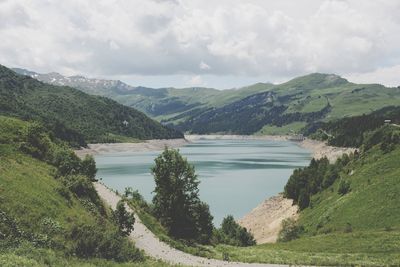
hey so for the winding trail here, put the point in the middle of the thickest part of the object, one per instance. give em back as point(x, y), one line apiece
point(144, 239)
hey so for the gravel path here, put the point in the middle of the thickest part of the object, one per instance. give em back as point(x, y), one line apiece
point(153, 247)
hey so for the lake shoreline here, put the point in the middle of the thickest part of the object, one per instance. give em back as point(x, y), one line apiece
point(317, 148)
point(265, 219)
point(146, 145)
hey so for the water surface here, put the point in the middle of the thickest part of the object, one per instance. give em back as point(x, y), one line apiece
point(235, 175)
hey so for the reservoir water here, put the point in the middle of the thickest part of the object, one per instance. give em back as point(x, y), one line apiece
point(235, 175)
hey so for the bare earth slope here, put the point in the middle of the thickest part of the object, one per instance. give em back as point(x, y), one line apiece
point(153, 247)
point(264, 221)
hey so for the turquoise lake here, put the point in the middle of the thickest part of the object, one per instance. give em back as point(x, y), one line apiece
point(235, 175)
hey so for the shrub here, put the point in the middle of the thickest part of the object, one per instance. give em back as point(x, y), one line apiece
point(344, 187)
point(99, 241)
point(37, 142)
point(83, 188)
point(348, 228)
point(290, 230)
point(66, 161)
point(231, 233)
point(65, 193)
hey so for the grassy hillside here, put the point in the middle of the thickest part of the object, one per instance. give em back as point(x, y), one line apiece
point(51, 215)
point(68, 110)
point(371, 205)
point(308, 99)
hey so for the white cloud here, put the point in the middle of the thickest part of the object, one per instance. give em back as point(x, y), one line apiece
point(274, 39)
point(195, 81)
point(389, 76)
point(204, 66)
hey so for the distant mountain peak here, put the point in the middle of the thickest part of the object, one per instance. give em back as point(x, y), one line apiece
point(316, 80)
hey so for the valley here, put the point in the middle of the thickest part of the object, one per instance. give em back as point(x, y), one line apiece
point(344, 199)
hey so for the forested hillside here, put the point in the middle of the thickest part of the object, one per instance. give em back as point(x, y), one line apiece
point(73, 115)
point(353, 131)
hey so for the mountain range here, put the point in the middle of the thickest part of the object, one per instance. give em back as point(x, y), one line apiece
point(263, 108)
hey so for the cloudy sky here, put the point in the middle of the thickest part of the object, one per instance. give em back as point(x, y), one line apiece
point(218, 43)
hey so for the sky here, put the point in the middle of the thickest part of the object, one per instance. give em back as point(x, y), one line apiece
point(219, 43)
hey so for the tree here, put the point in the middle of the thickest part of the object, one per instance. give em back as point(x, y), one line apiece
point(304, 199)
point(204, 222)
point(88, 167)
point(123, 218)
point(67, 162)
point(176, 200)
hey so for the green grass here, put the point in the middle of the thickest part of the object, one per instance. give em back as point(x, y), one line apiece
point(29, 256)
point(364, 248)
point(294, 127)
point(28, 192)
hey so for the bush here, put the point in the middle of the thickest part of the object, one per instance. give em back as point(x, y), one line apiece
point(290, 230)
point(102, 242)
point(65, 193)
point(231, 233)
point(67, 162)
point(348, 228)
point(37, 142)
point(344, 187)
point(83, 188)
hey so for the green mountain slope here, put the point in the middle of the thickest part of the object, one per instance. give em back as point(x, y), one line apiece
point(98, 119)
point(371, 205)
point(50, 213)
point(308, 99)
point(353, 131)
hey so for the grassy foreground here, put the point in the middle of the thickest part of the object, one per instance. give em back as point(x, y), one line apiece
point(50, 219)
